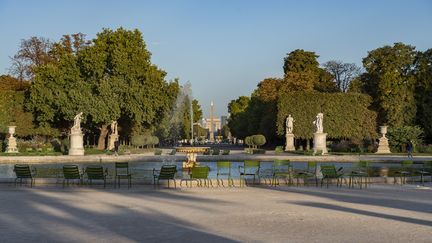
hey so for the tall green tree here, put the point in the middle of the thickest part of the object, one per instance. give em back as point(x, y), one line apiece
point(110, 78)
point(197, 111)
point(238, 121)
point(390, 81)
point(423, 92)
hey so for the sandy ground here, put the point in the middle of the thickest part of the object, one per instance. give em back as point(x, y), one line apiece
point(381, 213)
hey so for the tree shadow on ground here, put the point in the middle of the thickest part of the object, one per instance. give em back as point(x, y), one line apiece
point(363, 212)
point(384, 196)
point(44, 215)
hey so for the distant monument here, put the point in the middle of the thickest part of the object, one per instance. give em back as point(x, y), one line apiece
point(320, 138)
point(113, 136)
point(289, 123)
point(211, 137)
point(383, 146)
point(76, 137)
point(11, 141)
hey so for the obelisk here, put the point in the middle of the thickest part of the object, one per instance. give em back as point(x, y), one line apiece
point(211, 123)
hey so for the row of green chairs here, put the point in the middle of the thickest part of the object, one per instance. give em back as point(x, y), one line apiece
point(406, 171)
point(73, 173)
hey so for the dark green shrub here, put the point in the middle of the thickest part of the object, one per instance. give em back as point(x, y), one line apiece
point(258, 140)
point(248, 141)
point(424, 148)
point(258, 151)
point(399, 137)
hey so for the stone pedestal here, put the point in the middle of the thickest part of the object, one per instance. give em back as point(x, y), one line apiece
point(76, 143)
point(11, 142)
point(289, 146)
point(383, 146)
point(320, 143)
point(111, 139)
point(11, 145)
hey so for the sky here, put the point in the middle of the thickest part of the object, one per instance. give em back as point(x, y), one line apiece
point(224, 48)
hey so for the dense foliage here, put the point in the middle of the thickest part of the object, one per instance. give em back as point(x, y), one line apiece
point(345, 115)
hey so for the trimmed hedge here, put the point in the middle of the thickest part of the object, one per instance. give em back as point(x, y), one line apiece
point(346, 115)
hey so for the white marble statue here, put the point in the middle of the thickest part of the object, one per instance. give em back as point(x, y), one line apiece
point(114, 129)
point(77, 122)
point(289, 124)
point(319, 123)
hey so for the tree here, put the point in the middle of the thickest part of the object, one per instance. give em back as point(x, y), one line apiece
point(238, 121)
point(342, 73)
point(197, 111)
point(109, 79)
point(390, 82)
point(32, 53)
point(302, 73)
point(423, 92)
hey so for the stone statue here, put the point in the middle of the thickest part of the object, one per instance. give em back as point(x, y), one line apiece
point(319, 123)
point(114, 129)
point(77, 122)
point(289, 124)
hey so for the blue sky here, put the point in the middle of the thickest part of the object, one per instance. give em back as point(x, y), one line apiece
point(224, 48)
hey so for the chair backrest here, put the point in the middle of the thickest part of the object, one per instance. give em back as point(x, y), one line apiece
point(121, 167)
point(173, 152)
point(167, 172)
point(281, 165)
point(95, 172)
point(200, 172)
point(407, 163)
point(71, 172)
point(22, 171)
point(252, 166)
point(328, 171)
point(312, 166)
point(223, 165)
point(251, 163)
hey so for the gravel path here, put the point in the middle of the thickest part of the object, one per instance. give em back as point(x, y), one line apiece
point(382, 213)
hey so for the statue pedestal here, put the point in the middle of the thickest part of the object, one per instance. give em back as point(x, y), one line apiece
point(11, 145)
point(289, 146)
point(76, 143)
point(320, 143)
point(383, 146)
point(111, 139)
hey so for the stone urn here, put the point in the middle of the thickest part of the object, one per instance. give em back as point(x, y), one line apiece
point(383, 130)
point(11, 130)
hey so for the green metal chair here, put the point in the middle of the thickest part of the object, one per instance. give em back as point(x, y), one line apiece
point(359, 174)
point(224, 169)
point(309, 172)
point(404, 171)
point(426, 170)
point(281, 168)
point(122, 172)
point(96, 172)
point(173, 152)
point(249, 168)
point(71, 172)
point(329, 173)
point(200, 175)
point(167, 172)
point(24, 172)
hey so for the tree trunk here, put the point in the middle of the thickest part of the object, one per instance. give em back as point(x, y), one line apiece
point(102, 137)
